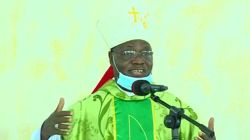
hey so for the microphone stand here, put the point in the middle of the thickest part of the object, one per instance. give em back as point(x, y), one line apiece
point(173, 120)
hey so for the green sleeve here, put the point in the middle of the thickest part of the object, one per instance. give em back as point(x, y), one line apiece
point(187, 130)
point(77, 122)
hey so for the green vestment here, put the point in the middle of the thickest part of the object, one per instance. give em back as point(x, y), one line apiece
point(109, 114)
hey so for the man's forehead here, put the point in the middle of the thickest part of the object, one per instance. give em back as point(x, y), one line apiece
point(133, 43)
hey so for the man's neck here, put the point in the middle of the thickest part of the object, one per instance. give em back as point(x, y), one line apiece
point(127, 92)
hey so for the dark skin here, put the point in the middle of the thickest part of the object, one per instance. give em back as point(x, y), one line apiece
point(203, 136)
point(128, 67)
point(62, 118)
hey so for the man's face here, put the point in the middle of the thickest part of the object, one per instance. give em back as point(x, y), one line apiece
point(133, 58)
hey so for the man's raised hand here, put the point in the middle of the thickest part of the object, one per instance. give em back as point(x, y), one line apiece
point(203, 136)
point(59, 122)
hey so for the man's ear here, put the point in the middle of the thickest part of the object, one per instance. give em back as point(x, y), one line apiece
point(112, 64)
point(110, 58)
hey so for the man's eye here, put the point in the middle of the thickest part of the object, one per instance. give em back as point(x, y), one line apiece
point(147, 53)
point(128, 53)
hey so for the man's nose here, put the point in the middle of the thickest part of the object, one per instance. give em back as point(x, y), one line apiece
point(139, 60)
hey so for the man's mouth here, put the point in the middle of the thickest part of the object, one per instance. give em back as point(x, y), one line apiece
point(137, 72)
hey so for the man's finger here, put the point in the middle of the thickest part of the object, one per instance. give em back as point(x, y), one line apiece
point(63, 113)
point(60, 105)
point(203, 136)
point(197, 138)
point(64, 126)
point(61, 132)
point(211, 123)
point(63, 120)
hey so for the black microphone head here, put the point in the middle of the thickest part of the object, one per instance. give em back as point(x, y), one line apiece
point(137, 87)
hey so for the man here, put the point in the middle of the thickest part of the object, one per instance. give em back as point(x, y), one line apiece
point(114, 112)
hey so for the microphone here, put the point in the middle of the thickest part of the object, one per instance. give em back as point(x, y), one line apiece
point(143, 88)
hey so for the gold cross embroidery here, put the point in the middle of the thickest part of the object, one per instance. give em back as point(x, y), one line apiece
point(134, 13)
